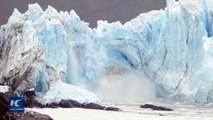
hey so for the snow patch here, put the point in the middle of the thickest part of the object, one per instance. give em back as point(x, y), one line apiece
point(4, 89)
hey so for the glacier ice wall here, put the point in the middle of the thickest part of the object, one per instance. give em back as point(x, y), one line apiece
point(173, 47)
point(169, 46)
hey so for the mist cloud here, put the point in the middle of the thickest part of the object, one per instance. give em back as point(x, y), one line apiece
point(128, 87)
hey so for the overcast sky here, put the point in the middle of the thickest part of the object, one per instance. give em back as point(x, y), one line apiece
point(88, 10)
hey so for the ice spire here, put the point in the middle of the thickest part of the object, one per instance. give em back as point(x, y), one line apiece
point(169, 4)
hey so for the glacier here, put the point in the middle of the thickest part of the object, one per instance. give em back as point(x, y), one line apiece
point(172, 47)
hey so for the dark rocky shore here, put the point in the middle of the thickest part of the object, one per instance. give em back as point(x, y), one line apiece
point(30, 102)
point(155, 107)
point(27, 115)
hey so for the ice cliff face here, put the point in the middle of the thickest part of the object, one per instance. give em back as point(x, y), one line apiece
point(173, 47)
point(39, 48)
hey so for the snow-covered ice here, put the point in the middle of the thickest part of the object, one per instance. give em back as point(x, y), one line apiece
point(171, 47)
point(60, 90)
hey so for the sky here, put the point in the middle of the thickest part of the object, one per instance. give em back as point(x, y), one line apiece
point(89, 10)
